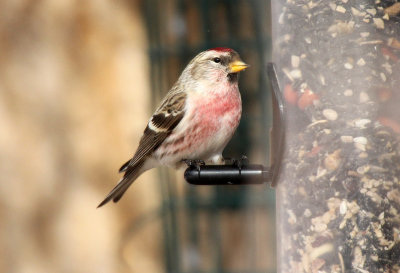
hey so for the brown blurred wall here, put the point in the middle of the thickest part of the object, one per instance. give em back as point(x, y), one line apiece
point(74, 99)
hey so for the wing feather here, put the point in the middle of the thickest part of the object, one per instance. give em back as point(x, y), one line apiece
point(160, 126)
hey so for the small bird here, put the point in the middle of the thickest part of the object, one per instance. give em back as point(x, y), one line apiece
point(194, 121)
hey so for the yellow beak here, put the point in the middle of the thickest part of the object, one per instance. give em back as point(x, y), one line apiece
point(237, 66)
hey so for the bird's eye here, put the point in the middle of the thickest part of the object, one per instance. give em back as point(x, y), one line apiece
point(217, 60)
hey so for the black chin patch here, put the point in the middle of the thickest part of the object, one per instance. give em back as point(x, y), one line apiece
point(233, 77)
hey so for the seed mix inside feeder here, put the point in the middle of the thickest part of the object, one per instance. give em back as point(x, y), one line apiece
point(339, 192)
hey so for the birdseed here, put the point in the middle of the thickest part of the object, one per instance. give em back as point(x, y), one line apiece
point(339, 192)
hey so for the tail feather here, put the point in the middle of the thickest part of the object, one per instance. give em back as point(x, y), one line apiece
point(125, 166)
point(131, 173)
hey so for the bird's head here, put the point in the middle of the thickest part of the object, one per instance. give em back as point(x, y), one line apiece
point(216, 64)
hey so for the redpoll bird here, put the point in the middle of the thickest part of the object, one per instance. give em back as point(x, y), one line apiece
point(195, 120)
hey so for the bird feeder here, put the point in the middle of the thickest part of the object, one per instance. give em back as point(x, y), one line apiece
point(337, 172)
point(338, 196)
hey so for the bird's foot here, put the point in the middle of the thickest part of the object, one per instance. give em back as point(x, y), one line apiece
point(194, 163)
point(239, 163)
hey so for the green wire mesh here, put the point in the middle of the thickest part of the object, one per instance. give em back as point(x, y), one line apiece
point(216, 229)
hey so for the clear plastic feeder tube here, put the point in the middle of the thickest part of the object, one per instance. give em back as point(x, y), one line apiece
point(338, 196)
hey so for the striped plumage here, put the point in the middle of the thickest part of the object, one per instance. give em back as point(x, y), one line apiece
point(195, 120)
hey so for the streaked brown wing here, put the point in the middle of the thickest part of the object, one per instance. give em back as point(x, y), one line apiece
point(160, 126)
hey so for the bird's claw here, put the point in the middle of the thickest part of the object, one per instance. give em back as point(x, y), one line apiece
point(194, 163)
point(239, 163)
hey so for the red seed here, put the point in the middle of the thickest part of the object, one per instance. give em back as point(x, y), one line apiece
point(389, 53)
point(306, 99)
point(290, 95)
point(384, 94)
point(314, 151)
point(388, 122)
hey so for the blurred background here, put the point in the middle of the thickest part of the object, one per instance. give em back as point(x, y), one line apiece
point(78, 82)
